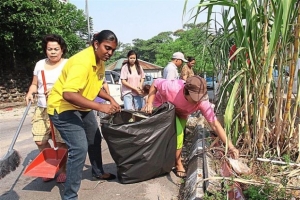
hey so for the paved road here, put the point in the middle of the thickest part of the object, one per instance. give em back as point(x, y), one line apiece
point(17, 186)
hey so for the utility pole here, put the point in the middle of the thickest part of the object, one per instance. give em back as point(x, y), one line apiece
point(88, 20)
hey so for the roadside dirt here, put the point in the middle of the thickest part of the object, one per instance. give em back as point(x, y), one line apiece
point(11, 112)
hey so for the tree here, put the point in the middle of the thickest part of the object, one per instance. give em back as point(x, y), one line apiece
point(148, 49)
point(25, 22)
point(192, 41)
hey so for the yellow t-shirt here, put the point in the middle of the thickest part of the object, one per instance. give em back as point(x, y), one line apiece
point(80, 74)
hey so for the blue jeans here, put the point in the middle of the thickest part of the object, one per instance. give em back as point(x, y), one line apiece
point(132, 102)
point(81, 133)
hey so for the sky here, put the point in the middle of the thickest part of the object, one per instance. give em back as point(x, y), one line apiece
point(143, 19)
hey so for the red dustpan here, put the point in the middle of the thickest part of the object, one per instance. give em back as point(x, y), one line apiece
point(50, 160)
point(47, 163)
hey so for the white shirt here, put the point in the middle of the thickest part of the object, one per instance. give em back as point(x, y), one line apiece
point(170, 72)
point(50, 76)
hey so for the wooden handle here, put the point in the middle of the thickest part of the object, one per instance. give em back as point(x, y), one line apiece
point(51, 125)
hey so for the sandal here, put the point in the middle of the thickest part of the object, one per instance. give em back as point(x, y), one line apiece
point(46, 179)
point(180, 174)
point(107, 177)
point(61, 178)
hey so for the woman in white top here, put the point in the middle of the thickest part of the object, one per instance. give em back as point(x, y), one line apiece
point(54, 48)
point(132, 77)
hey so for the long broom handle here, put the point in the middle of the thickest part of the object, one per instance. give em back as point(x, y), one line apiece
point(51, 125)
point(19, 128)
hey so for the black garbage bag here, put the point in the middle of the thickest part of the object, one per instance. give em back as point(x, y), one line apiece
point(143, 147)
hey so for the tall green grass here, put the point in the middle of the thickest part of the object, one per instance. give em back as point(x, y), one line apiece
point(260, 113)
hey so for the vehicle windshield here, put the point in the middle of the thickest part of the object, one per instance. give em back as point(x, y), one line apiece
point(108, 78)
point(209, 79)
point(148, 78)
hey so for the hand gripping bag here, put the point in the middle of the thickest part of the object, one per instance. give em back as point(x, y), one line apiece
point(142, 148)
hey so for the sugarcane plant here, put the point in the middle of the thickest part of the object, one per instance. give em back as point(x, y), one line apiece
point(255, 47)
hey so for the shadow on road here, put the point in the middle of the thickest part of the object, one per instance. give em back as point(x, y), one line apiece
point(11, 194)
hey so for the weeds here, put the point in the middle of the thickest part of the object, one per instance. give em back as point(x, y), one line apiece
point(215, 196)
point(266, 192)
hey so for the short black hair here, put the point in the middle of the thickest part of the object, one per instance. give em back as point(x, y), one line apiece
point(54, 38)
point(190, 58)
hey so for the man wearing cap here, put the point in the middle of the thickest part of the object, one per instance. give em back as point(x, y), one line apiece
point(171, 70)
point(187, 97)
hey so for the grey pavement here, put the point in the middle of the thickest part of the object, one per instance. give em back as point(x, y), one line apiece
point(17, 186)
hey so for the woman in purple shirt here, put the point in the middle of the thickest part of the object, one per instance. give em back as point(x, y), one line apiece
point(99, 114)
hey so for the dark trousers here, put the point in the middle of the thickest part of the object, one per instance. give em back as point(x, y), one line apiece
point(81, 133)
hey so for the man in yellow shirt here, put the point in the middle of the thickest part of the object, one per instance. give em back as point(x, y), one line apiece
point(71, 104)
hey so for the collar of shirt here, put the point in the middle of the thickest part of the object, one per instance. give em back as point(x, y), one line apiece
point(93, 58)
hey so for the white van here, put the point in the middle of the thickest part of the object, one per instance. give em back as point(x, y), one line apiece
point(113, 80)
